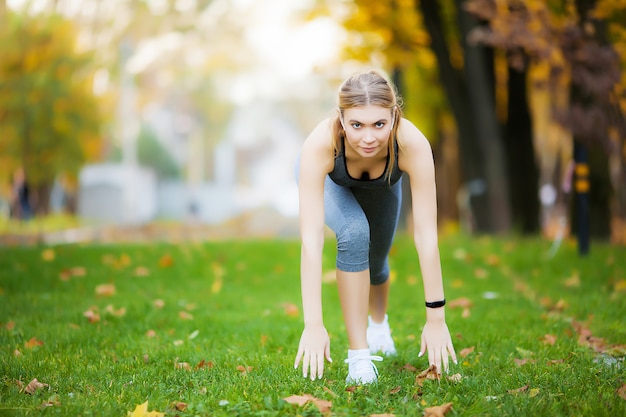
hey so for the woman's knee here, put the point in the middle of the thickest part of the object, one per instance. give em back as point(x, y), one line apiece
point(353, 243)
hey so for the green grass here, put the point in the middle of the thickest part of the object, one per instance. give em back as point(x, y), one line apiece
point(108, 367)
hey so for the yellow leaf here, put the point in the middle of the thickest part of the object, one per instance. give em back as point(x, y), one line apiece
point(48, 255)
point(105, 290)
point(216, 287)
point(142, 411)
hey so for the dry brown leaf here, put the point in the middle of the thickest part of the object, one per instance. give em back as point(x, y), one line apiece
point(555, 361)
point(521, 362)
point(92, 315)
point(409, 367)
point(158, 303)
point(291, 309)
point(481, 273)
point(17, 353)
point(166, 261)
point(573, 281)
point(120, 312)
point(32, 343)
point(182, 365)
point(105, 290)
point(462, 302)
point(33, 386)
point(395, 390)
point(455, 378)
point(51, 402)
point(150, 333)
point(621, 391)
point(466, 313)
point(430, 373)
point(438, 410)
point(185, 315)
point(244, 369)
point(142, 271)
point(10, 325)
point(519, 390)
point(382, 415)
point(48, 255)
point(467, 351)
point(549, 339)
point(300, 400)
point(180, 406)
point(492, 259)
point(204, 364)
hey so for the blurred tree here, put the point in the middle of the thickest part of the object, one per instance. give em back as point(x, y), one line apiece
point(570, 40)
point(49, 119)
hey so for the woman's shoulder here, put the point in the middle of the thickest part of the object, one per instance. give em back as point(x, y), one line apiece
point(322, 135)
point(410, 137)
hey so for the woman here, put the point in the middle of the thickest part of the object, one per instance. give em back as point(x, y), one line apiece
point(350, 178)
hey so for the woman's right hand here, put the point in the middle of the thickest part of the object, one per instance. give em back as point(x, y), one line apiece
point(314, 347)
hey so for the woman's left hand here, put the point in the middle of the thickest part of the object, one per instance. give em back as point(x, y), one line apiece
point(436, 340)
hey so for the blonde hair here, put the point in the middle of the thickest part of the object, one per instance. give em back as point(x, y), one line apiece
point(368, 88)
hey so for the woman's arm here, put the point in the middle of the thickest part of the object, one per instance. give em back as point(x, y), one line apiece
point(315, 163)
point(416, 160)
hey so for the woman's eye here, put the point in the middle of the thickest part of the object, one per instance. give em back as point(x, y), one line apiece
point(356, 125)
point(380, 124)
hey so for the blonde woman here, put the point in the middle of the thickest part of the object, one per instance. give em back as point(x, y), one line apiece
point(349, 178)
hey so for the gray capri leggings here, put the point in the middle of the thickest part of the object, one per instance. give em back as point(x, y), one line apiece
point(364, 221)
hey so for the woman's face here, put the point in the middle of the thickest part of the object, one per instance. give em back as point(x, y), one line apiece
point(367, 129)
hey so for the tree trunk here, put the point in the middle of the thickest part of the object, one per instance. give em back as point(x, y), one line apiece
point(457, 95)
point(523, 173)
point(486, 136)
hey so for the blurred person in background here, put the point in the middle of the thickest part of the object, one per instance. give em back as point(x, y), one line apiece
point(349, 177)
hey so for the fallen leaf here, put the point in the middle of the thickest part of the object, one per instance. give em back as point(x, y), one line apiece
point(33, 386)
point(204, 364)
point(217, 285)
point(92, 315)
point(437, 411)
point(521, 362)
point(549, 339)
point(351, 388)
point(555, 361)
point(291, 309)
point(466, 351)
point(466, 313)
point(409, 367)
point(185, 315)
point(48, 255)
point(105, 290)
point(462, 302)
point(430, 373)
point(244, 369)
point(534, 392)
point(519, 390)
point(151, 333)
point(120, 312)
point(263, 340)
point(182, 365)
point(51, 402)
point(158, 303)
point(620, 286)
point(492, 259)
point(166, 261)
point(455, 378)
point(382, 415)
point(395, 390)
point(17, 353)
point(481, 273)
point(32, 343)
point(142, 411)
point(300, 400)
point(142, 271)
point(180, 406)
point(573, 281)
point(621, 391)
point(10, 325)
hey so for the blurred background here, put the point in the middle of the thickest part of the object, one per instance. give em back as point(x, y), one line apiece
point(166, 119)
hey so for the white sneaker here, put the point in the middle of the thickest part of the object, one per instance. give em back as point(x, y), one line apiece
point(379, 337)
point(361, 370)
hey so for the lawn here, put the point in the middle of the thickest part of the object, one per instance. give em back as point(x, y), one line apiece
point(212, 329)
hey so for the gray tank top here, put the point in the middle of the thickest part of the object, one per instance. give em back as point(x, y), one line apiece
point(340, 175)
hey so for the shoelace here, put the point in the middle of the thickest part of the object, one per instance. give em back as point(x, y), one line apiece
point(360, 362)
